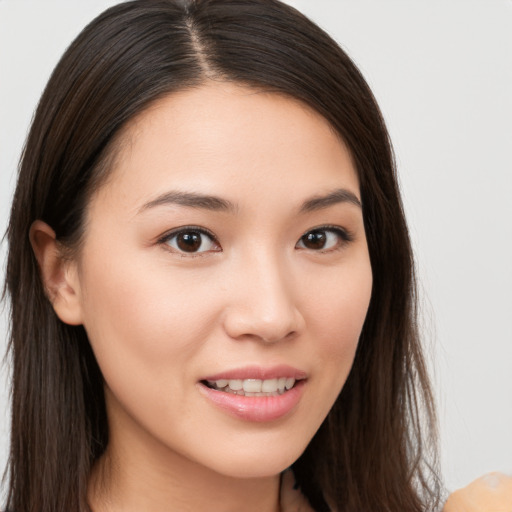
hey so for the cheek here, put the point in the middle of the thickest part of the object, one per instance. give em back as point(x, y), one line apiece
point(139, 315)
point(339, 305)
point(336, 319)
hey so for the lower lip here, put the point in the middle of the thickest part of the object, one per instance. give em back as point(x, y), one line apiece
point(256, 408)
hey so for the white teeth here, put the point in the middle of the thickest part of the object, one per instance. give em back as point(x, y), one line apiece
point(269, 386)
point(254, 387)
point(235, 384)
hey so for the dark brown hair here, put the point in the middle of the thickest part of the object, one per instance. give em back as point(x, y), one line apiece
point(373, 452)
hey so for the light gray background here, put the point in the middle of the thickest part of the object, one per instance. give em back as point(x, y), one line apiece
point(442, 73)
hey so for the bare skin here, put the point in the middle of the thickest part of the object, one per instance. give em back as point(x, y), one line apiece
point(489, 493)
point(279, 281)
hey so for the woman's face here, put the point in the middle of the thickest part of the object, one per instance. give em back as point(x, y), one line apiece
point(225, 255)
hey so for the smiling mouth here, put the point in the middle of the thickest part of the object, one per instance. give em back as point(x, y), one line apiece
point(252, 387)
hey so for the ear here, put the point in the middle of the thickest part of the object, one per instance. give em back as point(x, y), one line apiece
point(59, 275)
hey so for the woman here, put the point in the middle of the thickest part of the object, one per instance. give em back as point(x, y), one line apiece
point(207, 208)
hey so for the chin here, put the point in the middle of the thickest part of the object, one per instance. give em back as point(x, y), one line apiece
point(257, 463)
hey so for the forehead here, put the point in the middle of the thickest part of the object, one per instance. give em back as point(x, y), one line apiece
point(229, 140)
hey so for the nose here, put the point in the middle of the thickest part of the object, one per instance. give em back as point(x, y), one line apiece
point(263, 303)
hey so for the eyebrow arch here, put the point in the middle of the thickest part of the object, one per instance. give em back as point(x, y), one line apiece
point(191, 200)
point(340, 195)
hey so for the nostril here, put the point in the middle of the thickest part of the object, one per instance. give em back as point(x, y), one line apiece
point(263, 315)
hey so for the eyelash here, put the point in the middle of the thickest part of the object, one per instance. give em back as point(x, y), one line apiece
point(343, 235)
point(167, 237)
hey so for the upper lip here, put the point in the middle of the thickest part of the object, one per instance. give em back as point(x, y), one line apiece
point(258, 372)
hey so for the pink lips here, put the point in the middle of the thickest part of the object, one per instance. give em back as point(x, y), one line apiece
point(257, 372)
point(256, 408)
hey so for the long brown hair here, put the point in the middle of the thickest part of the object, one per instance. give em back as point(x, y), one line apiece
point(376, 449)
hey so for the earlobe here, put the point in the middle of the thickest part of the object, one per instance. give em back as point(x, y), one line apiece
point(59, 274)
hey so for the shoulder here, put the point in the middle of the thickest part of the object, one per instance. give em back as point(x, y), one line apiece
point(489, 493)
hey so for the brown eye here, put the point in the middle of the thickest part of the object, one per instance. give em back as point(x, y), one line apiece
point(323, 239)
point(191, 241)
point(314, 240)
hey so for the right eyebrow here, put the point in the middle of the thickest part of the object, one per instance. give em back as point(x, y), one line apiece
point(190, 200)
point(340, 195)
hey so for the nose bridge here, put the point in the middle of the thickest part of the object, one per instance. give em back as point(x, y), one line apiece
point(264, 304)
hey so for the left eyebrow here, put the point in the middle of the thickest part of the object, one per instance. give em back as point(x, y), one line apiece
point(340, 195)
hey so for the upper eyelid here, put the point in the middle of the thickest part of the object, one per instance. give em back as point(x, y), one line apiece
point(181, 229)
point(330, 227)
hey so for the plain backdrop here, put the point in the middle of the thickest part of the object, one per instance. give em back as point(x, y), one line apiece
point(442, 73)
